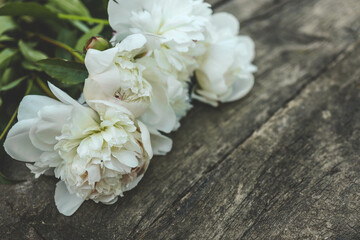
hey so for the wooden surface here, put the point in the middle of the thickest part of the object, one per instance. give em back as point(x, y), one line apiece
point(283, 163)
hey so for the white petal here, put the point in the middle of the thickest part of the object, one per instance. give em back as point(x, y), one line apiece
point(38, 171)
point(145, 136)
point(66, 202)
point(161, 144)
point(226, 21)
point(98, 61)
point(219, 58)
point(116, 165)
point(94, 174)
point(120, 12)
point(31, 104)
point(18, 144)
point(52, 118)
point(240, 88)
point(126, 157)
point(204, 99)
point(245, 49)
point(160, 114)
point(132, 42)
point(62, 96)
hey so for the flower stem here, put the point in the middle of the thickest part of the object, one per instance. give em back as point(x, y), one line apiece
point(82, 18)
point(63, 46)
point(43, 86)
point(12, 119)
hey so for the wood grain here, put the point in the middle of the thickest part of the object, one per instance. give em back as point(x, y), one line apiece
point(283, 163)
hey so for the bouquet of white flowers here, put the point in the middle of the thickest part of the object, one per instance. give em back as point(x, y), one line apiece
point(136, 87)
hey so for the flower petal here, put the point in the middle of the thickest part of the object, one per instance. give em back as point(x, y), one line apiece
point(31, 104)
point(120, 12)
point(94, 174)
point(160, 114)
point(98, 61)
point(51, 120)
point(145, 136)
point(18, 144)
point(62, 96)
point(132, 42)
point(161, 144)
point(240, 88)
point(226, 21)
point(66, 202)
point(126, 157)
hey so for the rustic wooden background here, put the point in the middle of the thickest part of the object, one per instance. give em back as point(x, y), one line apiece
point(283, 163)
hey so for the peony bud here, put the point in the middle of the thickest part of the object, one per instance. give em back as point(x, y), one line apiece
point(97, 43)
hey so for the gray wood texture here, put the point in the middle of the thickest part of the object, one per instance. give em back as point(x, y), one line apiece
point(283, 163)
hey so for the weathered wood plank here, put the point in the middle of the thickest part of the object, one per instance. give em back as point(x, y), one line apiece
point(296, 41)
point(298, 177)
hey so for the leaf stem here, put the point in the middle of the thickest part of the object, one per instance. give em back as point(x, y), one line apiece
point(12, 119)
point(82, 18)
point(61, 45)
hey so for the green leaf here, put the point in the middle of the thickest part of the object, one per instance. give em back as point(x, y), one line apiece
point(67, 72)
point(69, 37)
point(6, 24)
point(30, 66)
point(12, 84)
point(29, 53)
point(69, 6)
point(85, 38)
point(7, 75)
point(5, 38)
point(27, 9)
point(6, 56)
point(81, 26)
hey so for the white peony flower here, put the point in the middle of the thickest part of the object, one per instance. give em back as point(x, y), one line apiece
point(115, 76)
point(178, 22)
point(96, 156)
point(225, 73)
point(174, 27)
